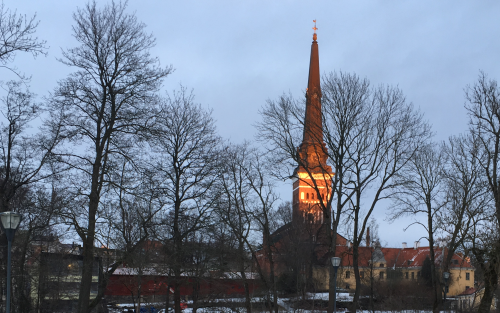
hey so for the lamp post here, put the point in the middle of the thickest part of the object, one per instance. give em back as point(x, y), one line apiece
point(335, 263)
point(10, 223)
point(446, 275)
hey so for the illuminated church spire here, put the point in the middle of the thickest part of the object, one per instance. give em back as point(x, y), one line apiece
point(313, 176)
point(312, 151)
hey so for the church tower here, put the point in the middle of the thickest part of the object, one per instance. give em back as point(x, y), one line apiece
point(312, 177)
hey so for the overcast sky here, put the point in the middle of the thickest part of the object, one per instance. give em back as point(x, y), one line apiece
point(237, 54)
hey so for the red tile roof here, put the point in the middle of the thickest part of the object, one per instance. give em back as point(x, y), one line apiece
point(399, 257)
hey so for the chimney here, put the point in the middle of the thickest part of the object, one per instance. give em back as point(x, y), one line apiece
point(417, 245)
point(368, 236)
point(404, 245)
point(348, 244)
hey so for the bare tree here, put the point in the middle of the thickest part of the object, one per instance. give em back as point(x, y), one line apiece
point(184, 160)
point(248, 203)
point(466, 193)
point(392, 131)
point(104, 104)
point(281, 131)
point(234, 206)
point(483, 106)
point(17, 35)
point(421, 191)
point(24, 155)
point(263, 212)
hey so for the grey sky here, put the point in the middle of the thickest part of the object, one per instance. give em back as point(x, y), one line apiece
point(237, 54)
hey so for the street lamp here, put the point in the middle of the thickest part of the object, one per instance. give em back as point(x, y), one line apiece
point(446, 275)
point(335, 263)
point(10, 223)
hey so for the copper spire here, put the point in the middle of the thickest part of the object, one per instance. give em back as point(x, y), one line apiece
point(313, 150)
point(313, 131)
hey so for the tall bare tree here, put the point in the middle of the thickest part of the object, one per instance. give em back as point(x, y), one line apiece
point(104, 104)
point(25, 154)
point(387, 134)
point(483, 107)
point(466, 193)
point(185, 161)
point(421, 191)
point(234, 207)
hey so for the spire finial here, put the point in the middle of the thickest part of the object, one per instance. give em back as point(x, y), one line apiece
point(315, 28)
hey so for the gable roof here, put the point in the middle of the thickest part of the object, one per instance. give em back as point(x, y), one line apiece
point(398, 257)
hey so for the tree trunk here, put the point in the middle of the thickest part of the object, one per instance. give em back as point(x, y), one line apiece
point(332, 238)
point(88, 257)
point(491, 272)
point(355, 253)
point(355, 263)
point(434, 278)
point(248, 303)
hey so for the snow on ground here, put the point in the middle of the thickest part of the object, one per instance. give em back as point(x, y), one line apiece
point(341, 296)
point(284, 303)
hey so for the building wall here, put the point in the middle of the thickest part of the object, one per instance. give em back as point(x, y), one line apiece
point(460, 280)
point(346, 279)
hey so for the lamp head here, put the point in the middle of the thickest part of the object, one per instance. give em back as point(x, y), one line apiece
point(10, 220)
point(446, 275)
point(335, 261)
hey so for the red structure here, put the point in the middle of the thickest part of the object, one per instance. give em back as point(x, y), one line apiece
point(157, 285)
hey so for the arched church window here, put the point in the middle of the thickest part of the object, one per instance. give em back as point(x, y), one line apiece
point(302, 195)
point(312, 195)
point(307, 196)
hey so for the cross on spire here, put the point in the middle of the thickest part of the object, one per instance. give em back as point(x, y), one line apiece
point(315, 28)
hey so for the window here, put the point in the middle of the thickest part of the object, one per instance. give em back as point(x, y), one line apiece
point(302, 195)
point(361, 274)
point(348, 274)
point(412, 275)
point(467, 276)
point(381, 275)
point(455, 262)
point(312, 195)
point(409, 262)
point(347, 286)
point(314, 238)
point(307, 196)
point(406, 275)
point(418, 274)
point(381, 264)
point(467, 287)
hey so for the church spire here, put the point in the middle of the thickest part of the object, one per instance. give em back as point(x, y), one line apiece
point(312, 151)
point(313, 176)
point(313, 131)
